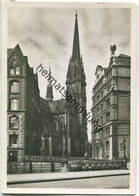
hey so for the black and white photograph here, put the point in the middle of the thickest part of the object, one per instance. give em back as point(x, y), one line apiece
point(70, 89)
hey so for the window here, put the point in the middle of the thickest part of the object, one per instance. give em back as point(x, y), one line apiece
point(14, 104)
point(114, 72)
point(98, 98)
point(13, 140)
point(12, 156)
point(107, 131)
point(108, 116)
point(14, 122)
point(62, 126)
point(17, 70)
point(105, 91)
point(102, 107)
point(108, 104)
point(14, 87)
point(11, 70)
point(107, 146)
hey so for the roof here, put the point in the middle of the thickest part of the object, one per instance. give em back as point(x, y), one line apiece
point(58, 106)
point(18, 51)
point(10, 52)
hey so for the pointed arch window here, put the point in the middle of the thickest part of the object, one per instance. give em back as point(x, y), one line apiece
point(14, 104)
point(14, 87)
point(107, 145)
point(14, 122)
point(61, 127)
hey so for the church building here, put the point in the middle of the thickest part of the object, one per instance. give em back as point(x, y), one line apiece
point(68, 128)
point(45, 126)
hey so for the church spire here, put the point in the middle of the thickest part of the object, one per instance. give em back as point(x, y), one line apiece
point(76, 44)
point(49, 92)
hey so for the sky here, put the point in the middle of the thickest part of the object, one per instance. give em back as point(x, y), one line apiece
point(45, 35)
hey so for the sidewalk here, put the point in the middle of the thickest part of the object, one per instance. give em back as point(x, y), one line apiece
point(44, 177)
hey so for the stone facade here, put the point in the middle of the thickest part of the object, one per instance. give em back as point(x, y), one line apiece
point(111, 109)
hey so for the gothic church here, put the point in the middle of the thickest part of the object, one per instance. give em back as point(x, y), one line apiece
point(47, 127)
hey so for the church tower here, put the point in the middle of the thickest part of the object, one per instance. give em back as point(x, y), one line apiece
point(76, 87)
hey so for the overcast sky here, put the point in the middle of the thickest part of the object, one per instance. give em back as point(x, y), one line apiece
point(45, 35)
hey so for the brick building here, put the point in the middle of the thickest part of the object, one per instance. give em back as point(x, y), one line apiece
point(23, 108)
point(111, 109)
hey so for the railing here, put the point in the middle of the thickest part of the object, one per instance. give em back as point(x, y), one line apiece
point(90, 165)
point(72, 164)
point(51, 158)
point(33, 167)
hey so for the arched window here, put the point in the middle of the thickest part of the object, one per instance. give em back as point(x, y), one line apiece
point(14, 122)
point(107, 146)
point(62, 123)
point(11, 70)
point(61, 126)
point(14, 104)
point(14, 87)
point(17, 70)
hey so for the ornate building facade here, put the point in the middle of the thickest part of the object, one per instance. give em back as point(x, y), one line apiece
point(111, 109)
point(44, 126)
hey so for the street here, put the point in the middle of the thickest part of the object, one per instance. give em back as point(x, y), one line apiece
point(113, 182)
